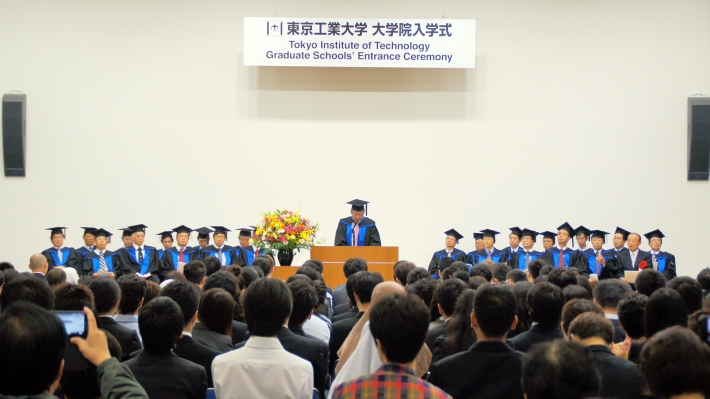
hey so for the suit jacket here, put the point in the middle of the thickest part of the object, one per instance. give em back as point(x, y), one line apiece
point(340, 295)
point(40, 276)
point(619, 333)
point(435, 333)
point(239, 332)
point(346, 315)
point(621, 378)
point(127, 338)
point(490, 369)
point(188, 349)
point(298, 330)
point(338, 335)
point(211, 339)
point(168, 376)
point(535, 335)
point(308, 349)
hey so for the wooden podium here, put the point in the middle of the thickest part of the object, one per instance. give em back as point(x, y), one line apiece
point(379, 259)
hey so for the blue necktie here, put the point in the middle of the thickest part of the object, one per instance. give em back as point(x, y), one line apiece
point(598, 265)
point(527, 258)
point(489, 255)
point(140, 255)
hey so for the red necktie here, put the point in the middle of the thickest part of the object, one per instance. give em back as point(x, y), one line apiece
point(181, 258)
point(562, 259)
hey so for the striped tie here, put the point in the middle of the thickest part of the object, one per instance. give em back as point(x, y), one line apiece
point(102, 262)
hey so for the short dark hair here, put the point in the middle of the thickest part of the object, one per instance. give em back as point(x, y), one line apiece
point(500, 271)
point(703, 278)
point(354, 265)
point(447, 293)
point(267, 304)
point(584, 283)
point(350, 288)
point(610, 292)
point(462, 275)
point(546, 270)
point(592, 325)
point(631, 310)
point(212, 265)
point(494, 307)
point(55, 277)
point(152, 291)
point(85, 280)
point(365, 283)
point(224, 280)
point(316, 264)
point(649, 280)
point(160, 323)
point(482, 270)
point(674, 362)
point(263, 264)
point(576, 307)
point(10, 274)
point(575, 291)
point(477, 281)
point(698, 323)
point(522, 310)
point(402, 269)
point(429, 290)
point(27, 288)
point(562, 277)
point(416, 287)
point(516, 275)
point(33, 348)
point(133, 289)
point(175, 276)
point(308, 272)
point(416, 274)
point(5, 266)
point(535, 266)
point(303, 294)
point(194, 271)
point(665, 308)
point(691, 291)
point(73, 297)
point(560, 370)
point(250, 275)
point(400, 323)
point(445, 263)
point(186, 295)
point(106, 294)
point(546, 301)
point(216, 310)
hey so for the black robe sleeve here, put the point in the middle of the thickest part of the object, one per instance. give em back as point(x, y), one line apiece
point(580, 261)
point(434, 264)
point(157, 266)
point(167, 260)
point(373, 237)
point(547, 257)
point(50, 259)
point(670, 271)
point(239, 257)
point(612, 269)
point(513, 261)
point(340, 233)
point(76, 261)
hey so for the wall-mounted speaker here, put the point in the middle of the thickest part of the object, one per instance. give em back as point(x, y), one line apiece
point(698, 138)
point(13, 133)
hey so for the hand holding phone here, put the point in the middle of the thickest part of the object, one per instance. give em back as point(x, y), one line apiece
point(74, 322)
point(95, 346)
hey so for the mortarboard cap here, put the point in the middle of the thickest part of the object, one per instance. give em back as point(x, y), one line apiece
point(203, 232)
point(57, 230)
point(138, 228)
point(516, 231)
point(529, 233)
point(182, 229)
point(581, 230)
point(477, 236)
point(126, 232)
point(623, 232)
point(102, 233)
point(358, 205)
point(453, 233)
point(89, 230)
point(489, 233)
point(221, 230)
point(245, 232)
point(654, 234)
point(599, 234)
point(567, 227)
point(165, 234)
point(549, 234)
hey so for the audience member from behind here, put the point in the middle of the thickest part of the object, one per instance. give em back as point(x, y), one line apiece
point(522, 310)
point(607, 294)
point(187, 296)
point(195, 272)
point(350, 267)
point(39, 266)
point(32, 365)
point(648, 281)
point(402, 270)
point(417, 274)
point(534, 269)
point(676, 364)
point(545, 301)
point(499, 272)
point(516, 276)
point(482, 270)
point(562, 278)
point(631, 310)
point(398, 324)
point(215, 313)
point(469, 374)
point(133, 290)
point(664, 309)
point(704, 280)
point(576, 292)
point(27, 288)
point(348, 309)
point(560, 370)
point(574, 308)
point(263, 368)
point(81, 381)
point(226, 281)
point(691, 291)
point(70, 297)
point(107, 296)
point(212, 265)
point(620, 377)
point(459, 334)
point(263, 264)
point(446, 296)
point(55, 277)
point(157, 368)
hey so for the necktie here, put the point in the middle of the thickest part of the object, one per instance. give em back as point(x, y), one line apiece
point(489, 255)
point(653, 255)
point(356, 230)
point(561, 263)
point(59, 256)
point(597, 266)
point(448, 254)
point(140, 255)
point(102, 262)
point(527, 258)
point(633, 259)
point(221, 261)
point(181, 257)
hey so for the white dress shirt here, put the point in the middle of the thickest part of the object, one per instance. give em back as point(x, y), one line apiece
point(262, 369)
point(129, 321)
point(317, 328)
point(221, 257)
point(634, 255)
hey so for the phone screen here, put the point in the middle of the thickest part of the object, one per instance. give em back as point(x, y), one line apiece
point(708, 329)
point(74, 323)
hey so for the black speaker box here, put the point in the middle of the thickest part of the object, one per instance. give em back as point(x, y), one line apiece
point(13, 133)
point(698, 138)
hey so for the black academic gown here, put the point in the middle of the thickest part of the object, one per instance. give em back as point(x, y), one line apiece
point(666, 264)
point(611, 265)
point(368, 236)
point(92, 262)
point(69, 258)
point(497, 256)
point(572, 258)
point(151, 263)
point(232, 255)
point(171, 257)
point(456, 253)
point(519, 260)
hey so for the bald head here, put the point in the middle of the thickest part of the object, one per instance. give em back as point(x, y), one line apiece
point(38, 263)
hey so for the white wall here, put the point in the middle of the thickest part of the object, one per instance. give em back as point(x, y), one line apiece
point(141, 112)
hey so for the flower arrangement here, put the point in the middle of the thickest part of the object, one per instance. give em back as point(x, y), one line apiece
point(284, 230)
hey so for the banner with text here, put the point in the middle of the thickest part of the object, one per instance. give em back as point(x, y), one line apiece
point(357, 42)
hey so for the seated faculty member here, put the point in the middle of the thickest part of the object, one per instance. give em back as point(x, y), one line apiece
point(663, 261)
point(562, 256)
point(357, 230)
point(489, 251)
point(60, 256)
point(526, 254)
point(225, 253)
point(450, 251)
point(181, 253)
point(101, 262)
point(141, 259)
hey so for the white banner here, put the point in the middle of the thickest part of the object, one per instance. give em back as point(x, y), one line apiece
point(357, 42)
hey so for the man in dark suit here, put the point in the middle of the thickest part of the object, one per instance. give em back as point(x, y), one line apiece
point(634, 259)
point(107, 296)
point(305, 299)
point(490, 368)
point(187, 296)
point(349, 308)
point(226, 281)
point(340, 295)
point(546, 302)
point(620, 378)
point(607, 294)
point(162, 373)
point(39, 266)
point(446, 295)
